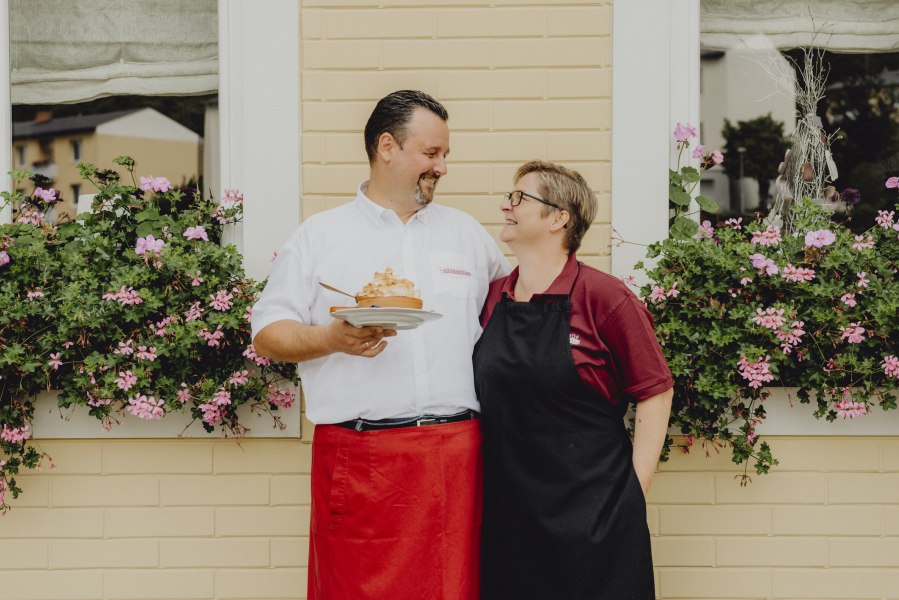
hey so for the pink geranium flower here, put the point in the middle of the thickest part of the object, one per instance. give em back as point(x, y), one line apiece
point(893, 182)
point(684, 131)
point(862, 279)
point(146, 407)
point(54, 360)
point(770, 318)
point(798, 274)
point(848, 299)
point(885, 218)
point(221, 300)
point(4, 258)
point(155, 184)
point(861, 243)
point(890, 366)
point(196, 233)
point(769, 237)
point(15, 435)
point(763, 264)
point(698, 151)
point(281, 397)
point(239, 377)
point(49, 196)
point(250, 353)
point(757, 372)
point(820, 238)
point(717, 157)
point(854, 333)
point(126, 380)
point(848, 409)
point(148, 244)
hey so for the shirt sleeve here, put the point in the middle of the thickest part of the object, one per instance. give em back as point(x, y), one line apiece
point(640, 367)
point(285, 296)
point(497, 264)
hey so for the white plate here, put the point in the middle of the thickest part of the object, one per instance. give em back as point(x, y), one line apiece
point(386, 317)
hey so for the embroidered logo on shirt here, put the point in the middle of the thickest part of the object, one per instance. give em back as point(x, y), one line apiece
point(574, 339)
point(454, 272)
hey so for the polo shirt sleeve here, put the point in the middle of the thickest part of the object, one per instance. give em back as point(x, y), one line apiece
point(286, 295)
point(640, 367)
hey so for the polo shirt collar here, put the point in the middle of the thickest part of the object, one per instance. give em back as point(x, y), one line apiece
point(560, 286)
point(380, 215)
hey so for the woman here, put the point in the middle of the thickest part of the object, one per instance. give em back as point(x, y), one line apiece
point(564, 349)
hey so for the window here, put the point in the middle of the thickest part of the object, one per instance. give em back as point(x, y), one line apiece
point(76, 191)
point(20, 156)
point(76, 150)
point(756, 58)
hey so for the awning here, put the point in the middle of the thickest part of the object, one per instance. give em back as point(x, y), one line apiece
point(64, 51)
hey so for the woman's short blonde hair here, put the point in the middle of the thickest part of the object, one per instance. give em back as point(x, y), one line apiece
point(569, 190)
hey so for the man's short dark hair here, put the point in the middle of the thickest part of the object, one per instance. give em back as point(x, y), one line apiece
point(392, 115)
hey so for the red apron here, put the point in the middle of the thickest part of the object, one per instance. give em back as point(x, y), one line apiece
point(396, 514)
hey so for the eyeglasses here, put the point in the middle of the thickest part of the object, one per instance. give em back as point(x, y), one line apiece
point(515, 198)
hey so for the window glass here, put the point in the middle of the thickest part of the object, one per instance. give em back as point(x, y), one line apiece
point(756, 59)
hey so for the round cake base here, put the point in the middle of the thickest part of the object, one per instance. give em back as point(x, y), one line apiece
point(389, 302)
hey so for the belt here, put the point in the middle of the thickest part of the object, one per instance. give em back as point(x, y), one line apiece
point(367, 425)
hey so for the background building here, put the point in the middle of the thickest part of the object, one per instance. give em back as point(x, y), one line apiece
point(53, 147)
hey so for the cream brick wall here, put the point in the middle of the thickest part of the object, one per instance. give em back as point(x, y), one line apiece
point(521, 80)
point(156, 519)
point(215, 519)
point(212, 519)
point(823, 524)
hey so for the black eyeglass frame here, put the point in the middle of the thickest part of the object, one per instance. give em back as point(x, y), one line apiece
point(510, 197)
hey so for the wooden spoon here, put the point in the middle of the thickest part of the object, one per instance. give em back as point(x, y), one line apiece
point(334, 289)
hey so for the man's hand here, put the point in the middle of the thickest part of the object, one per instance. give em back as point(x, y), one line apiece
point(290, 341)
point(361, 341)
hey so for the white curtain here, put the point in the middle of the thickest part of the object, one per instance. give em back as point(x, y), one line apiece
point(850, 26)
point(64, 51)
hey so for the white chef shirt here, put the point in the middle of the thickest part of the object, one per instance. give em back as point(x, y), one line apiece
point(450, 258)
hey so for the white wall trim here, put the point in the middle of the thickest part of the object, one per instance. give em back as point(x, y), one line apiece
point(259, 107)
point(5, 109)
point(654, 85)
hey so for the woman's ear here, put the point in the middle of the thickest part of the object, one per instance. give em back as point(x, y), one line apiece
point(561, 221)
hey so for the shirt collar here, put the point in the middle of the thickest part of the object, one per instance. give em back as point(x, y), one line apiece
point(560, 286)
point(380, 215)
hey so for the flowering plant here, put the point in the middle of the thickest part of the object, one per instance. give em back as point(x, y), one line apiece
point(133, 309)
point(683, 181)
point(739, 306)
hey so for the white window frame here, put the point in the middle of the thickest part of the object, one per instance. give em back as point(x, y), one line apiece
point(655, 85)
point(259, 121)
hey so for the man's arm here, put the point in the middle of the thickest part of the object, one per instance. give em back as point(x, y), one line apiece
point(649, 435)
point(292, 341)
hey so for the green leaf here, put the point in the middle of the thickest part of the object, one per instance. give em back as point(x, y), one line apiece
point(684, 228)
point(690, 175)
point(707, 204)
point(678, 195)
point(147, 215)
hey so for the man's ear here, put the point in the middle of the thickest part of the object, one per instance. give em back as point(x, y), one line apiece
point(386, 146)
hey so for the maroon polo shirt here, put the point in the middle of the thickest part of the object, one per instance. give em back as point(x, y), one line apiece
point(613, 343)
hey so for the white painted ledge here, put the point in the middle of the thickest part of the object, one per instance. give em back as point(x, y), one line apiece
point(787, 416)
point(51, 422)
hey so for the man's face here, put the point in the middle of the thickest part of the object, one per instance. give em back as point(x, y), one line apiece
point(421, 162)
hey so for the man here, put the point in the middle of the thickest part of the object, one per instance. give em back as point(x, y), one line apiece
point(396, 474)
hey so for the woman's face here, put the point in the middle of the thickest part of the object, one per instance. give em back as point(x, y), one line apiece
point(525, 224)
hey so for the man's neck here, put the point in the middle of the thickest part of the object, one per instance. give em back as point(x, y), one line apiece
point(401, 202)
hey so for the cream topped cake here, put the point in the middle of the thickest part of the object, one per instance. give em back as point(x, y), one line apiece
point(389, 289)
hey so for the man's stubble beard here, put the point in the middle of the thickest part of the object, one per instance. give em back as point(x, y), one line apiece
point(420, 197)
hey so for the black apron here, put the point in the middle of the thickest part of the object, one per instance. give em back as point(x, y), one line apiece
point(564, 515)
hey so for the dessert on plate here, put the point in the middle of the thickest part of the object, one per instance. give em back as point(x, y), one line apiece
point(387, 289)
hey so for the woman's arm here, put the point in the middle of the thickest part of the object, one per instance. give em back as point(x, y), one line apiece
point(649, 435)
